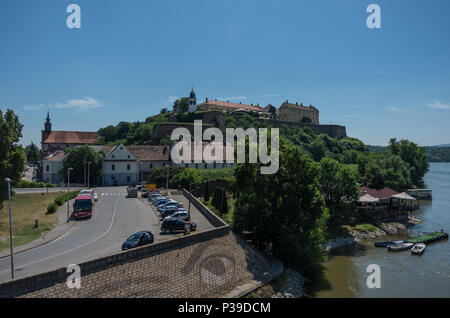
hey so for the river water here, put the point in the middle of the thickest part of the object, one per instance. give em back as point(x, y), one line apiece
point(402, 274)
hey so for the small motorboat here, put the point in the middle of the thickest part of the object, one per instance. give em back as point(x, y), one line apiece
point(386, 244)
point(418, 249)
point(400, 247)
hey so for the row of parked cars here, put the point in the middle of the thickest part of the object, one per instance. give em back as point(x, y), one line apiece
point(174, 218)
point(172, 213)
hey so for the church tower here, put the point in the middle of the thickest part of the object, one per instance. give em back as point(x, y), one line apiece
point(48, 124)
point(192, 102)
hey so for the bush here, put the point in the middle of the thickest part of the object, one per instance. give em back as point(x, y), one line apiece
point(52, 207)
point(59, 201)
point(28, 184)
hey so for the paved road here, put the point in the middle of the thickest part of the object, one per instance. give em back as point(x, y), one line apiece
point(115, 218)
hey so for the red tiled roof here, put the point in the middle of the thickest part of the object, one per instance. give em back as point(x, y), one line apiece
point(308, 108)
point(380, 194)
point(55, 156)
point(216, 103)
point(71, 137)
point(150, 153)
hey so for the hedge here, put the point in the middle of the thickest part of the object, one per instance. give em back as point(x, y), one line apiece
point(27, 184)
point(62, 198)
point(52, 207)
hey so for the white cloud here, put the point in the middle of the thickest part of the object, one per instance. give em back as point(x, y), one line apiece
point(379, 73)
point(396, 109)
point(172, 99)
point(436, 104)
point(84, 103)
point(231, 98)
point(33, 107)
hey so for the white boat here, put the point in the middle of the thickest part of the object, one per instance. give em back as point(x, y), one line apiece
point(400, 247)
point(419, 248)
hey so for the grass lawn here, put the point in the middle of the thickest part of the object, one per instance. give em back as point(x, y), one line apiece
point(25, 208)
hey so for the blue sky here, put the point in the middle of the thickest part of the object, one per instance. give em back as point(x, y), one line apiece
point(130, 58)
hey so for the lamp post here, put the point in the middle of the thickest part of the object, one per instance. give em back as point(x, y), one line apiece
point(167, 180)
point(89, 164)
point(68, 185)
point(84, 173)
point(8, 180)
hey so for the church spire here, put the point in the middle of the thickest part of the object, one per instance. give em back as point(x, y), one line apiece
point(48, 124)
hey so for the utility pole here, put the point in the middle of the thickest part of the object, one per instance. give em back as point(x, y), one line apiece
point(8, 180)
point(84, 173)
point(68, 186)
point(167, 180)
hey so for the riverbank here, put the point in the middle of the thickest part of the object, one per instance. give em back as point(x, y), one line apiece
point(290, 284)
point(365, 232)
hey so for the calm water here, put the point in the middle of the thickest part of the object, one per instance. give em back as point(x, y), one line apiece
point(402, 274)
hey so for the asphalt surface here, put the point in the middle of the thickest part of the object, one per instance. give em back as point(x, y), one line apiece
point(114, 219)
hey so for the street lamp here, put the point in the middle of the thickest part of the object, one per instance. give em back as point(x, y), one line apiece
point(8, 180)
point(89, 164)
point(167, 180)
point(68, 185)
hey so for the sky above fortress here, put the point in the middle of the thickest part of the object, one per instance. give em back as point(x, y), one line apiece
point(131, 58)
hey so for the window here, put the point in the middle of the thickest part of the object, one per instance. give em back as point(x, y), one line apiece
point(47, 168)
point(113, 156)
point(128, 167)
point(128, 179)
point(128, 156)
point(113, 167)
point(196, 166)
point(151, 166)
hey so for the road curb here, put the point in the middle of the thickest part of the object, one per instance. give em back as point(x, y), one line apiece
point(70, 224)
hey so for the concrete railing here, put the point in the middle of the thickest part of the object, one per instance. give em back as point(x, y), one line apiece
point(36, 282)
point(209, 215)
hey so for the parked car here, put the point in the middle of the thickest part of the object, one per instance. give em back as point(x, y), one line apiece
point(170, 203)
point(161, 201)
point(144, 194)
point(155, 197)
point(168, 212)
point(179, 215)
point(138, 239)
point(169, 226)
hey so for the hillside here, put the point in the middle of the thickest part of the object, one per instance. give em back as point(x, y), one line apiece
point(440, 153)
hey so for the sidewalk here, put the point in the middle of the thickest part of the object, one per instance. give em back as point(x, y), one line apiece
point(61, 227)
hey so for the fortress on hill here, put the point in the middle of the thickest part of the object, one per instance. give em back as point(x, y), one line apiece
point(214, 113)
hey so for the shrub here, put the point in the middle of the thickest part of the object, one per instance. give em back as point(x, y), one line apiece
point(52, 207)
point(59, 201)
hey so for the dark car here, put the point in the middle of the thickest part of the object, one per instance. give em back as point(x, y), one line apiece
point(138, 239)
point(144, 194)
point(170, 226)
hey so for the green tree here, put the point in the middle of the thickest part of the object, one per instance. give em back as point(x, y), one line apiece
point(78, 158)
point(317, 149)
point(284, 212)
point(181, 105)
point(188, 179)
point(412, 154)
point(206, 193)
point(338, 186)
point(12, 157)
point(32, 153)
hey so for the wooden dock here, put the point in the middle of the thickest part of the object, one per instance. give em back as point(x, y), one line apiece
point(428, 238)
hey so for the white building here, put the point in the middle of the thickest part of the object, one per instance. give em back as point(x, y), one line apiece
point(120, 167)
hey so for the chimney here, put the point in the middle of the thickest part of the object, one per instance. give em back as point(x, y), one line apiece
point(301, 104)
point(251, 104)
point(257, 104)
point(296, 103)
point(206, 99)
